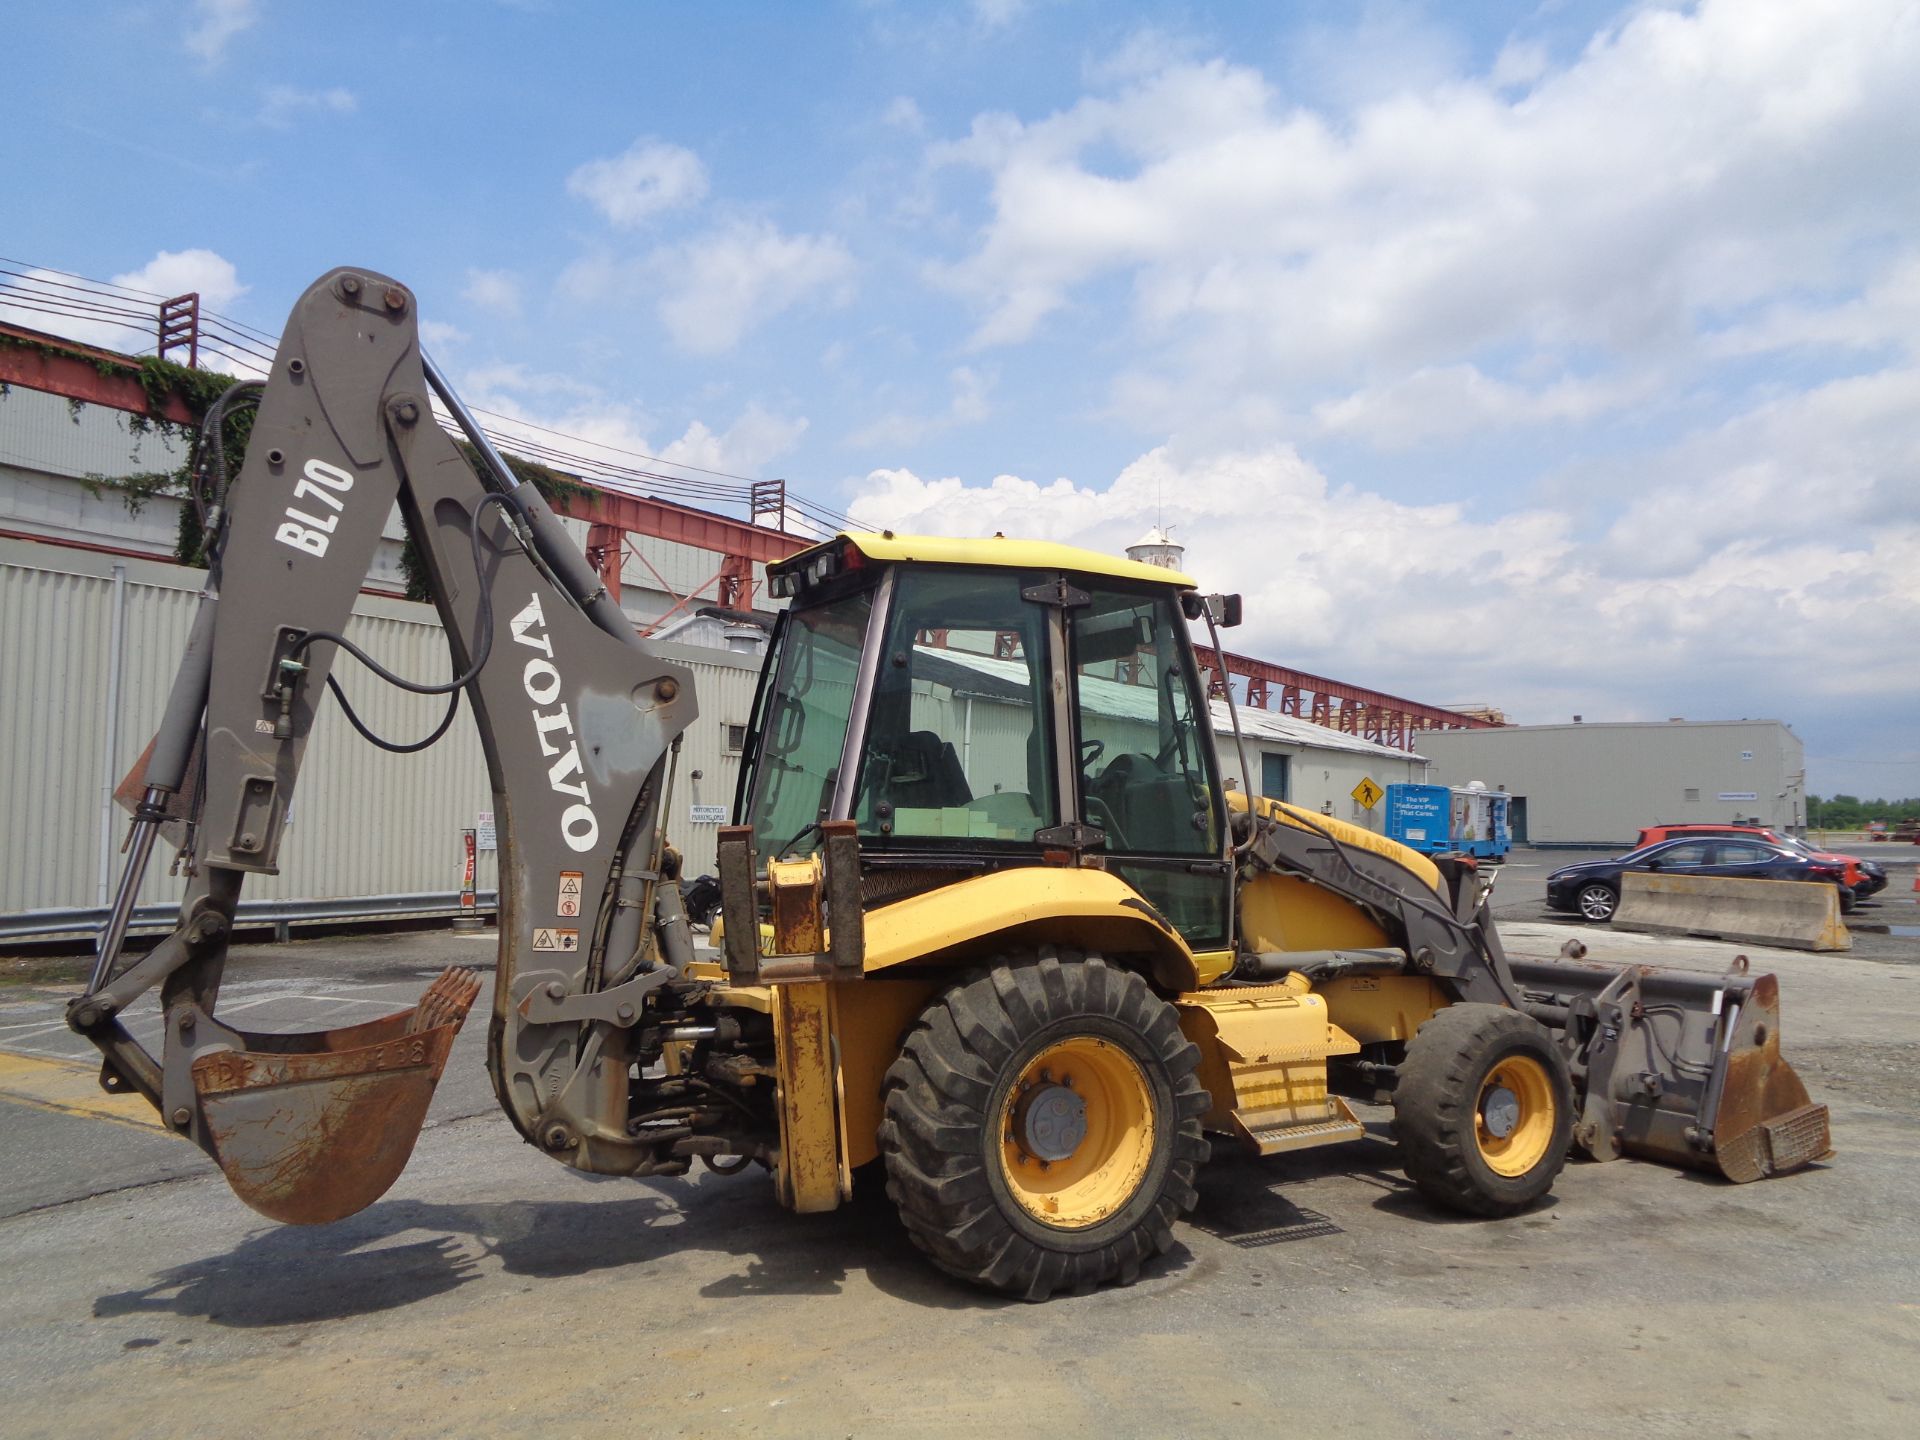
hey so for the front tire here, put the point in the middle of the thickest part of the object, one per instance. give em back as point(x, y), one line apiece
point(1483, 1110)
point(1596, 902)
point(1042, 1126)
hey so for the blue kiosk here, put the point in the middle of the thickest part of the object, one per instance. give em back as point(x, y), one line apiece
point(1438, 820)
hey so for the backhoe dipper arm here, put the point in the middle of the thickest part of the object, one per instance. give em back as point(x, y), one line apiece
point(576, 715)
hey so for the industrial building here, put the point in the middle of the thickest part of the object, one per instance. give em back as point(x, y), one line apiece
point(1596, 785)
point(94, 613)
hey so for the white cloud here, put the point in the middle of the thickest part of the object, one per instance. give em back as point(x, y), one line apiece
point(1775, 545)
point(169, 273)
point(649, 179)
point(178, 272)
point(1451, 402)
point(1519, 63)
point(718, 286)
point(509, 378)
point(991, 15)
point(439, 335)
point(1885, 315)
point(903, 114)
point(1146, 51)
point(214, 24)
point(968, 406)
point(494, 290)
point(281, 105)
point(754, 440)
point(1689, 167)
point(559, 411)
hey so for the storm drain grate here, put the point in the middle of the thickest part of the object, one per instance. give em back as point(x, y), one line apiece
point(1252, 1221)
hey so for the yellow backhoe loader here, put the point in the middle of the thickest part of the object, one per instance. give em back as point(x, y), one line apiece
point(990, 922)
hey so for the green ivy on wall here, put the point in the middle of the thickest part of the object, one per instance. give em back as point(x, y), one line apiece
point(163, 382)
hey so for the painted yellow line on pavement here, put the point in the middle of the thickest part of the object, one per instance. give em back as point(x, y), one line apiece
point(69, 1088)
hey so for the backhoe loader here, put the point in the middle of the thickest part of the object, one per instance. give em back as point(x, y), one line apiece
point(991, 925)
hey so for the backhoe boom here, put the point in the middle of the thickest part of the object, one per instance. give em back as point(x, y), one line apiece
point(577, 716)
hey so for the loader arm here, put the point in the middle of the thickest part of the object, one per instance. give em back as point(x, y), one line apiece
point(578, 719)
point(1664, 1065)
point(1448, 937)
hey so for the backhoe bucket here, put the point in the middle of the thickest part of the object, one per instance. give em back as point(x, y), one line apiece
point(312, 1127)
point(1680, 1068)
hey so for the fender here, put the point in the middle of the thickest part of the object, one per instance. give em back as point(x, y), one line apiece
point(1079, 907)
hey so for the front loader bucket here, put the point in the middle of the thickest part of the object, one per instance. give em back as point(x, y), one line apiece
point(1680, 1068)
point(312, 1127)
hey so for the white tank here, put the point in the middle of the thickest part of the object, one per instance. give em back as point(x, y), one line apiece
point(1158, 548)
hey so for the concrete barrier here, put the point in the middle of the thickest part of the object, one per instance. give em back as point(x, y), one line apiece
point(1796, 914)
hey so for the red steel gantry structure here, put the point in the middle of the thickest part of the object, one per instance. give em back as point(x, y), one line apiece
point(85, 373)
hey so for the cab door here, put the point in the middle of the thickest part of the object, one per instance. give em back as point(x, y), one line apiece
point(1145, 768)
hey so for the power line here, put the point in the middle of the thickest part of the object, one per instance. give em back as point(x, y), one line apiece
point(235, 344)
point(96, 284)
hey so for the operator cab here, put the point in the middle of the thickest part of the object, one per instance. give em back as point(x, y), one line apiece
point(978, 704)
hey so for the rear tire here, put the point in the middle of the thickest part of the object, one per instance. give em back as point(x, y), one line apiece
point(1042, 1126)
point(1483, 1110)
point(1596, 902)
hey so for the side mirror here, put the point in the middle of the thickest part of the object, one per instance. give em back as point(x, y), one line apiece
point(1223, 610)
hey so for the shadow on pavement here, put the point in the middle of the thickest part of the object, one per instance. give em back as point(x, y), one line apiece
point(401, 1252)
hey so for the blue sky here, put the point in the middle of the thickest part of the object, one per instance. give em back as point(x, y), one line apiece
point(1556, 355)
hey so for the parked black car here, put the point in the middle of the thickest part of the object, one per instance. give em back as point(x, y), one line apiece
point(1874, 878)
point(1873, 875)
point(1592, 889)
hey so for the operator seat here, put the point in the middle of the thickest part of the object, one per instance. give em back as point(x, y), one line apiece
point(926, 774)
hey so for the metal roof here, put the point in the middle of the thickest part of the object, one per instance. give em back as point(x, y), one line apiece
point(1141, 702)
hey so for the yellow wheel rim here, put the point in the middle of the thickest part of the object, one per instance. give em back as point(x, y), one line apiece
point(1513, 1121)
point(1076, 1133)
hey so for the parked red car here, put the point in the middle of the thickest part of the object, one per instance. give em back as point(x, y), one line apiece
point(1861, 877)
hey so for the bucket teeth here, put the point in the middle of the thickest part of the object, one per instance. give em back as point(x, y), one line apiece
point(446, 1001)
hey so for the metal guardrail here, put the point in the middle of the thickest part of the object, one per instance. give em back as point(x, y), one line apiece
point(37, 924)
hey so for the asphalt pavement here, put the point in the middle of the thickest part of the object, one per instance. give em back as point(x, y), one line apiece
point(494, 1293)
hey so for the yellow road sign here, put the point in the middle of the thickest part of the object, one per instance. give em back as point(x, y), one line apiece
point(1367, 793)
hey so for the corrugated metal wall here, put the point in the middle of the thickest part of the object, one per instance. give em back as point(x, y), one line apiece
point(364, 822)
point(1598, 784)
point(46, 432)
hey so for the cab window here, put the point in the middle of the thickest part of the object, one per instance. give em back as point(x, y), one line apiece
point(1146, 756)
point(957, 747)
point(806, 703)
point(1145, 761)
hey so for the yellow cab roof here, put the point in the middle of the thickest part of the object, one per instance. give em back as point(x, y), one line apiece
point(885, 545)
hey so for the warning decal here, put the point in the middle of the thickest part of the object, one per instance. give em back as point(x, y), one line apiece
point(569, 903)
point(545, 939)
